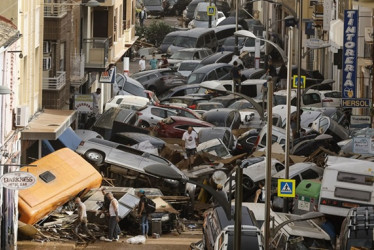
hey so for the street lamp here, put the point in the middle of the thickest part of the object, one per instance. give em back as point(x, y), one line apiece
point(246, 33)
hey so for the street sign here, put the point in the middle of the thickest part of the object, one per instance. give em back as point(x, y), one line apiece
point(286, 188)
point(18, 180)
point(211, 10)
point(83, 103)
point(360, 121)
point(303, 81)
point(355, 103)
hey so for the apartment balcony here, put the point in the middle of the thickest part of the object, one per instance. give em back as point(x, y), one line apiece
point(55, 83)
point(77, 74)
point(55, 8)
point(96, 51)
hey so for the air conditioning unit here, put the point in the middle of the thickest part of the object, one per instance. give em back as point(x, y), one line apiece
point(46, 48)
point(47, 63)
point(22, 116)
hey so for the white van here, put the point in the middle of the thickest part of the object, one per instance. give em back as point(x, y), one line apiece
point(346, 183)
point(312, 98)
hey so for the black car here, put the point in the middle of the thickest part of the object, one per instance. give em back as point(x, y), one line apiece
point(218, 57)
point(177, 6)
point(217, 71)
point(226, 100)
point(223, 6)
point(246, 142)
point(223, 133)
point(159, 80)
point(180, 91)
point(132, 138)
point(252, 73)
point(116, 120)
point(224, 117)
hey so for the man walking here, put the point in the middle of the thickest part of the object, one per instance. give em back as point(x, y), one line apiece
point(190, 139)
point(142, 16)
point(236, 77)
point(113, 219)
point(82, 218)
point(96, 101)
point(142, 63)
point(144, 225)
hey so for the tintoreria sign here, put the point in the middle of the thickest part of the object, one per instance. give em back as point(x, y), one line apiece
point(350, 54)
point(18, 180)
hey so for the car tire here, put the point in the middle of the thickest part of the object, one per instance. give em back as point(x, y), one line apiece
point(144, 124)
point(248, 183)
point(94, 157)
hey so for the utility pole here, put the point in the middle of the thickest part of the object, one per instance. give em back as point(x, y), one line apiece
point(236, 51)
point(300, 43)
point(210, 16)
point(268, 163)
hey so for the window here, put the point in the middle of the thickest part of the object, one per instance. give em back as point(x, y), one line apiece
point(212, 76)
point(221, 72)
point(207, 39)
point(158, 112)
point(309, 174)
point(352, 194)
point(355, 178)
point(273, 139)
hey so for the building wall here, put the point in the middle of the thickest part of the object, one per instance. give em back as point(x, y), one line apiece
point(30, 24)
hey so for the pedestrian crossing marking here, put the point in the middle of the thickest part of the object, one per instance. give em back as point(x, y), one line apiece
point(211, 10)
point(286, 188)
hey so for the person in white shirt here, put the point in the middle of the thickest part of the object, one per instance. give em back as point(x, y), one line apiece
point(96, 101)
point(113, 219)
point(82, 218)
point(142, 63)
point(191, 140)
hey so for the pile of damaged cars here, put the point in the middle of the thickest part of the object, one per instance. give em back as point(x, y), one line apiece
point(139, 147)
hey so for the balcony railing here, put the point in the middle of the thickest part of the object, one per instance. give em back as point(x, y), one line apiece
point(55, 83)
point(55, 8)
point(96, 52)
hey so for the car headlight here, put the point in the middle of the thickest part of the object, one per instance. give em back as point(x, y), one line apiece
point(165, 217)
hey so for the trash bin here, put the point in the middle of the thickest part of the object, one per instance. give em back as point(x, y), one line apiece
point(156, 226)
point(307, 196)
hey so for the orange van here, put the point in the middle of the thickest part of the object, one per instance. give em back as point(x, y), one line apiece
point(61, 176)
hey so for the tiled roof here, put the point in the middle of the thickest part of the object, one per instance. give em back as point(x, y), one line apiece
point(8, 32)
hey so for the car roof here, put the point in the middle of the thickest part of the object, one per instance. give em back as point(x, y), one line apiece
point(220, 111)
point(224, 221)
point(196, 32)
point(294, 169)
point(138, 136)
point(209, 67)
point(192, 49)
point(148, 72)
point(190, 120)
point(216, 56)
point(225, 27)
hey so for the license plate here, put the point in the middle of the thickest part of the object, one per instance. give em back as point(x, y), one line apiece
point(303, 205)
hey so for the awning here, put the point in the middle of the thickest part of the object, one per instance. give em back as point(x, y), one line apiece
point(336, 35)
point(49, 125)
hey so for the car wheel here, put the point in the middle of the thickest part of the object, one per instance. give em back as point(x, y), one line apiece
point(144, 124)
point(94, 157)
point(248, 183)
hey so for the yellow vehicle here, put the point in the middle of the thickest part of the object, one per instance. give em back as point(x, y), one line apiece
point(61, 176)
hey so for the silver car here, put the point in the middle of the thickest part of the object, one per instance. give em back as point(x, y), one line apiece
point(151, 115)
point(99, 151)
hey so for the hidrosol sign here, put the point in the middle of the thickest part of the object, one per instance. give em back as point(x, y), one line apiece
point(18, 180)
